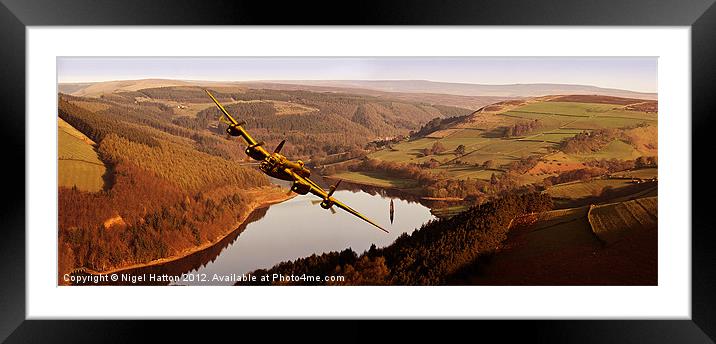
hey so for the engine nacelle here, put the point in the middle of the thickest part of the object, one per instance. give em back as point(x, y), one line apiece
point(300, 188)
point(254, 151)
point(326, 204)
point(233, 131)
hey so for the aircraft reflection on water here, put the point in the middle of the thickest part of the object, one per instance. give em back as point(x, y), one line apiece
point(392, 211)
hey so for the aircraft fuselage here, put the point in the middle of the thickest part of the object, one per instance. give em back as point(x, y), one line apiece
point(275, 165)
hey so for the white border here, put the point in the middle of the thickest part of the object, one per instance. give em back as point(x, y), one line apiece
point(671, 299)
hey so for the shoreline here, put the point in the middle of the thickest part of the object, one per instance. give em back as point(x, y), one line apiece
point(192, 250)
point(445, 199)
point(403, 191)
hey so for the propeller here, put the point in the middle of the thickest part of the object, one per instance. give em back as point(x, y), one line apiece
point(315, 201)
point(326, 202)
point(279, 147)
point(333, 188)
point(231, 129)
point(223, 119)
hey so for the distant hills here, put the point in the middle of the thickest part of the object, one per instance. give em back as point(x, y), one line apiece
point(95, 89)
point(370, 87)
point(464, 89)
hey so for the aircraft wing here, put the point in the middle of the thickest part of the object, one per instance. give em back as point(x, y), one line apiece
point(338, 204)
point(318, 191)
point(249, 140)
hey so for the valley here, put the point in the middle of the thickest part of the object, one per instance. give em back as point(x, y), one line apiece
point(584, 167)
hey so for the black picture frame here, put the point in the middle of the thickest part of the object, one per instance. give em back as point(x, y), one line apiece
point(700, 16)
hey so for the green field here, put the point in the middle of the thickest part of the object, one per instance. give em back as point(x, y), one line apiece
point(374, 179)
point(465, 172)
point(614, 150)
point(577, 190)
point(447, 212)
point(559, 121)
point(85, 176)
point(78, 163)
point(593, 110)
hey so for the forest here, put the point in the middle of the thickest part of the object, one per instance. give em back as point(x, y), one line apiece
point(330, 122)
point(438, 123)
point(162, 193)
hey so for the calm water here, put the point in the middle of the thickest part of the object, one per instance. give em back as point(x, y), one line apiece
point(298, 228)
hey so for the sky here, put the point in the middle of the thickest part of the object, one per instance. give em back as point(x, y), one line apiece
point(627, 73)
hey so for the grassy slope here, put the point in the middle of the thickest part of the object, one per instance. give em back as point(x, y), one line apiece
point(610, 221)
point(561, 249)
point(78, 162)
point(578, 190)
point(559, 120)
point(374, 179)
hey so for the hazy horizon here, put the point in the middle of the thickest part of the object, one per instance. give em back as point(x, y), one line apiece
point(637, 74)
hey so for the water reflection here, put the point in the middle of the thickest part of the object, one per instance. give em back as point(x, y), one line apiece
point(394, 193)
point(392, 211)
point(297, 228)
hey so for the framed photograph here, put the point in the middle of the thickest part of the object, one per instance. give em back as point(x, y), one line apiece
point(440, 162)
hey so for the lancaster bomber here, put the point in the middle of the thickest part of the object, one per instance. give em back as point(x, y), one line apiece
point(278, 166)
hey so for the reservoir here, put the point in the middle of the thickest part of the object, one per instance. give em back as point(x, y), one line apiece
point(298, 228)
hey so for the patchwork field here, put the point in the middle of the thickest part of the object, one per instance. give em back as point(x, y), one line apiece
point(480, 134)
point(78, 164)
